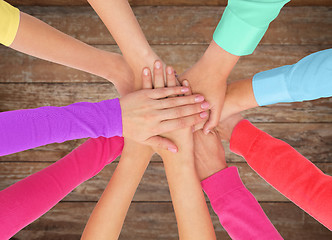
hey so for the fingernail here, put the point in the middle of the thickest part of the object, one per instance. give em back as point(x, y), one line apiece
point(199, 99)
point(203, 114)
point(158, 65)
point(185, 83)
point(205, 105)
point(173, 150)
point(146, 72)
point(184, 90)
point(169, 70)
point(207, 132)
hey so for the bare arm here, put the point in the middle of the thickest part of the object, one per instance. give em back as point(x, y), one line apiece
point(189, 204)
point(38, 39)
point(120, 20)
point(109, 214)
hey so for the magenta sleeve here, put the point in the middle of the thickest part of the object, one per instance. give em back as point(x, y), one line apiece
point(30, 198)
point(29, 128)
point(238, 210)
point(286, 170)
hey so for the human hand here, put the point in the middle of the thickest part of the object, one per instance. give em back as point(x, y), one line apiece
point(208, 77)
point(209, 154)
point(225, 128)
point(123, 77)
point(239, 97)
point(183, 136)
point(154, 114)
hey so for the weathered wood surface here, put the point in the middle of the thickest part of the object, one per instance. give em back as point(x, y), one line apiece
point(311, 140)
point(18, 67)
point(153, 186)
point(158, 2)
point(178, 25)
point(157, 221)
point(28, 95)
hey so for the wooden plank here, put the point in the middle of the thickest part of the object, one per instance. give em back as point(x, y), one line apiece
point(157, 221)
point(178, 25)
point(18, 67)
point(25, 95)
point(311, 140)
point(153, 186)
point(158, 3)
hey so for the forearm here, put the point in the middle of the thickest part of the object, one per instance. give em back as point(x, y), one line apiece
point(30, 198)
point(29, 128)
point(121, 22)
point(190, 208)
point(308, 79)
point(38, 39)
point(109, 214)
point(239, 97)
point(238, 210)
point(286, 170)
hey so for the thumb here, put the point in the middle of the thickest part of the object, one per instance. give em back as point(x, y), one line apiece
point(161, 142)
point(198, 126)
point(212, 122)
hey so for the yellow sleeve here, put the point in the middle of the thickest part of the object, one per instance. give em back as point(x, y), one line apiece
point(9, 21)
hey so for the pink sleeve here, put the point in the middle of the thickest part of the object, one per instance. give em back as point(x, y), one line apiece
point(238, 210)
point(30, 198)
point(29, 128)
point(286, 170)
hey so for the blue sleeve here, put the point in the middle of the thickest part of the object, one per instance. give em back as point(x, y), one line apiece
point(308, 79)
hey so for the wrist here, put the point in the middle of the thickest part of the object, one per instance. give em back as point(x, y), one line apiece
point(240, 95)
point(218, 58)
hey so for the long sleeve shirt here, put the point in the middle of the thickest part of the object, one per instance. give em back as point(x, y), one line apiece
point(9, 22)
point(244, 23)
point(30, 198)
point(29, 128)
point(286, 170)
point(238, 210)
point(308, 79)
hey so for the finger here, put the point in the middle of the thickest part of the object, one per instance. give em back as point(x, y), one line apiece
point(161, 142)
point(179, 123)
point(165, 92)
point(182, 111)
point(170, 77)
point(146, 78)
point(158, 75)
point(186, 84)
point(198, 126)
point(182, 100)
point(212, 122)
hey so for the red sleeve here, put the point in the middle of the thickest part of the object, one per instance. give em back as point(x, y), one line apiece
point(286, 170)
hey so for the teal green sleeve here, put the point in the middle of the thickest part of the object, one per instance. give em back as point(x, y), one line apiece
point(244, 23)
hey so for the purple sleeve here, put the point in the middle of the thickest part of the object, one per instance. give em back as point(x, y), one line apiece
point(30, 198)
point(238, 210)
point(29, 128)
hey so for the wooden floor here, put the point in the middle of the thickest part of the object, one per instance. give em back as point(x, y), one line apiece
point(186, 27)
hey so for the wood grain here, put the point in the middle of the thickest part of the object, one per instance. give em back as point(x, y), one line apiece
point(18, 67)
point(153, 186)
point(158, 2)
point(157, 221)
point(178, 25)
